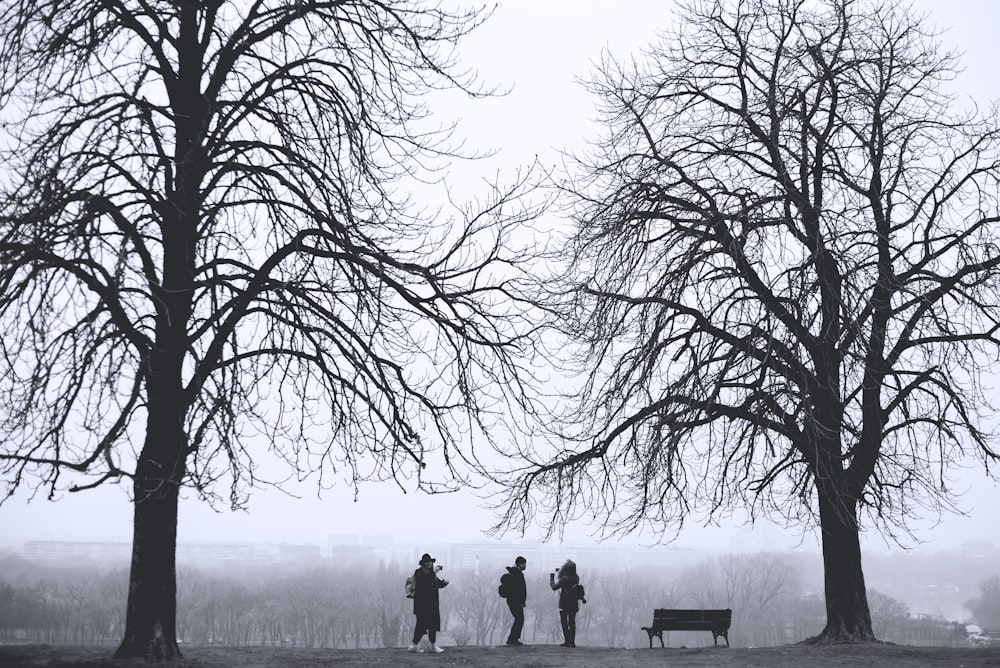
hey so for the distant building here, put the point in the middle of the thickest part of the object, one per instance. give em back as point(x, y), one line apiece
point(979, 548)
point(221, 554)
point(303, 552)
point(53, 552)
point(490, 556)
point(356, 540)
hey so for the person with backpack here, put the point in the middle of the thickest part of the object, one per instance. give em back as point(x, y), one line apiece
point(566, 581)
point(513, 588)
point(426, 603)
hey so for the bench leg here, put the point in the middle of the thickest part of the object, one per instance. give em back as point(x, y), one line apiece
point(724, 634)
point(651, 633)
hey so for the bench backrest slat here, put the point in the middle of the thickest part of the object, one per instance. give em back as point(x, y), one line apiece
point(693, 615)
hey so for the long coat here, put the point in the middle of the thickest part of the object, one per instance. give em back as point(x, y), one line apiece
point(565, 584)
point(426, 600)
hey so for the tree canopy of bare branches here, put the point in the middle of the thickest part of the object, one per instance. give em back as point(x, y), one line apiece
point(213, 255)
point(783, 281)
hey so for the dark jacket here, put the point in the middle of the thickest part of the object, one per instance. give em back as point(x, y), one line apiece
point(426, 601)
point(564, 584)
point(517, 590)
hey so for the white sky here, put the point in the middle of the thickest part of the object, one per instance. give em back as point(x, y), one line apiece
point(538, 47)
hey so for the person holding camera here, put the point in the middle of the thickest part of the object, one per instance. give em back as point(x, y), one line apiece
point(564, 580)
point(427, 603)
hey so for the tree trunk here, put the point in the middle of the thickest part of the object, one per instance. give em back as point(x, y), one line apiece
point(151, 614)
point(847, 615)
point(151, 611)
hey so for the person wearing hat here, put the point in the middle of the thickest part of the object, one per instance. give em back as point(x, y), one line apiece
point(426, 603)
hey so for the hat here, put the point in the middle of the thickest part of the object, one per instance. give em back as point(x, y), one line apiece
point(427, 557)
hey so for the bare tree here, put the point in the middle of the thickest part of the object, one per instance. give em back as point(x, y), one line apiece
point(985, 608)
point(210, 259)
point(783, 280)
point(541, 613)
point(753, 586)
point(473, 604)
point(887, 612)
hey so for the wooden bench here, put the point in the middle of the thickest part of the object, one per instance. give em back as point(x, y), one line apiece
point(716, 621)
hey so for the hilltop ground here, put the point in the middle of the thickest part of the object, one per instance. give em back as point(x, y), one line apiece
point(539, 656)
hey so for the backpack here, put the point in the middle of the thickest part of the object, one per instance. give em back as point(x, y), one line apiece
point(502, 589)
point(408, 588)
point(579, 593)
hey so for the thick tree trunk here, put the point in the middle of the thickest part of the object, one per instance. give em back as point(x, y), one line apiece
point(151, 611)
point(151, 615)
point(847, 615)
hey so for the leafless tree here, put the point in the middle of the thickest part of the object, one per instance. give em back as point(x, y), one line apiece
point(473, 604)
point(783, 280)
point(887, 612)
point(212, 256)
point(541, 613)
point(754, 587)
point(985, 608)
point(620, 603)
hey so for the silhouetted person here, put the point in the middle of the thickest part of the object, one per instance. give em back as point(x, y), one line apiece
point(427, 603)
point(517, 596)
point(569, 605)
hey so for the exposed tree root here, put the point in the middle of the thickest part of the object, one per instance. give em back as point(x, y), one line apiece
point(840, 636)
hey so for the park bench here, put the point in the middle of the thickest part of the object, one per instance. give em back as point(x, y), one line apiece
point(716, 621)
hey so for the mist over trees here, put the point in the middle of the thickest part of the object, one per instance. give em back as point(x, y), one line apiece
point(782, 284)
point(985, 608)
point(214, 258)
point(774, 598)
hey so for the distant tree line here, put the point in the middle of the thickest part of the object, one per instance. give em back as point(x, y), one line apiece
point(71, 606)
point(363, 606)
point(985, 608)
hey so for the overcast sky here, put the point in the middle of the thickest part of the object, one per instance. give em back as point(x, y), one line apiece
point(538, 47)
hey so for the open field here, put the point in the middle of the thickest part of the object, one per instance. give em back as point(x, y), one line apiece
point(540, 656)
